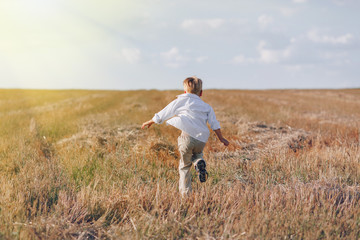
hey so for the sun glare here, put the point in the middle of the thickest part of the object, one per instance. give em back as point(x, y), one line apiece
point(39, 6)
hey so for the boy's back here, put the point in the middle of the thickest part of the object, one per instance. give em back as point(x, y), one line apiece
point(190, 115)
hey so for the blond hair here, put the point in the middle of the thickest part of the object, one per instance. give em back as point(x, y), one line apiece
point(193, 85)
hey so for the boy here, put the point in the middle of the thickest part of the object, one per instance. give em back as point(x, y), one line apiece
point(190, 114)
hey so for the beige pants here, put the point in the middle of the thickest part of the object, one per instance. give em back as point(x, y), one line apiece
point(191, 151)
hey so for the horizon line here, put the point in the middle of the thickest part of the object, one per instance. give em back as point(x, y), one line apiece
point(155, 89)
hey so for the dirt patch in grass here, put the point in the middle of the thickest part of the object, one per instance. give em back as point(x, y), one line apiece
point(258, 139)
point(101, 136)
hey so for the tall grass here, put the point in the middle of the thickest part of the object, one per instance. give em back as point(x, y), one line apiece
point(76, 165)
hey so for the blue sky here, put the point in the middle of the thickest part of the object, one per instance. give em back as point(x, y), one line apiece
point(155, 44)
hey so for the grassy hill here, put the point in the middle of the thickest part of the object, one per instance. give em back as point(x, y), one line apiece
point(75, 164)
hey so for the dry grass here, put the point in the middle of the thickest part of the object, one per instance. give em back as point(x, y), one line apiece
point(76, 165)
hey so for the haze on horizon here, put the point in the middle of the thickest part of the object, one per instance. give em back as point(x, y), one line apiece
point(155, 44)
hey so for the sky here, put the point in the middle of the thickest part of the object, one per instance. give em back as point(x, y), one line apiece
point(156, 44)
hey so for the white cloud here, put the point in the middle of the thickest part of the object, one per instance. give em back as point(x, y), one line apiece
point(173, 53)
point(241, 59)
point(287, 12)
point(272, 56)
point(131, 55)
point(215, 23)
point(314, 36)
point(300, 1)
point(294, 68)
point(334, 55)
point(341, 2)
point(201, 59)
point(265, 20)
point(173, 58)
point(266, 55)
point(199, 25)
point(336, 58)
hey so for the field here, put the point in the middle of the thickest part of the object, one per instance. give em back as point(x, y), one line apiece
point(77, 165)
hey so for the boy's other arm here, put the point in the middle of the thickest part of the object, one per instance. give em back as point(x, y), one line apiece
point(220, 137)
point(215, 125)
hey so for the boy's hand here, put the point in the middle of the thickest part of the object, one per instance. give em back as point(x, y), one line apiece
point(224, 141)
point(221, 138)
point(148, 124)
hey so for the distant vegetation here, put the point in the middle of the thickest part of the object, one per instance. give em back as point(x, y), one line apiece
point(76, 165)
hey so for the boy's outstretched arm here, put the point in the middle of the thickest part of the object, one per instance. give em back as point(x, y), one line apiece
point(168, 112)
point(220, 137)
point(148, 124)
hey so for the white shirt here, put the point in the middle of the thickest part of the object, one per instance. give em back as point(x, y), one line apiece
point(189, 114)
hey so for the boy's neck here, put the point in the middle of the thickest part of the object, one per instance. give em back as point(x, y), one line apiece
point(199, 95)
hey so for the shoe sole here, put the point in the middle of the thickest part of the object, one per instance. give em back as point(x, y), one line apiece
point(201, 169)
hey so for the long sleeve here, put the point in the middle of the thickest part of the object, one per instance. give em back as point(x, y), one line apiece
point(166, 113)
point(214, 124)
point(189, 114)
